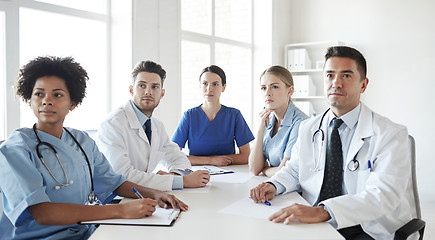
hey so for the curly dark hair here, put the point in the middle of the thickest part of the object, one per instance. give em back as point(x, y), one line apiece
point(65, 68)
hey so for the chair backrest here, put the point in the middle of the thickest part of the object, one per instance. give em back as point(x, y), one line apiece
point(1, 205)
point(1, 196)
point(411, 142)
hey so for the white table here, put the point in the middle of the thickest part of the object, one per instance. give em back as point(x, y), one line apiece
point(203, 221)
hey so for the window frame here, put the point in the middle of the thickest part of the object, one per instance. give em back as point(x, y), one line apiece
point(212, 39)
point(12, 51)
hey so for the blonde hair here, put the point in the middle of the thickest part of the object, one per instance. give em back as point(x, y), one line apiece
point(281, 72)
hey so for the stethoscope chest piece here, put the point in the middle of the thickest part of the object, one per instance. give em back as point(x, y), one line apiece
point(93, 199)
point(353, 165)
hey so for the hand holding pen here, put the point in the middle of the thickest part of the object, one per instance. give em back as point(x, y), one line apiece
point(140, 208)
point(164, 200)
point(263, 193)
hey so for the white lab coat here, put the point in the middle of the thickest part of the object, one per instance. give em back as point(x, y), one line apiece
point(124, 143)
point(379, 200)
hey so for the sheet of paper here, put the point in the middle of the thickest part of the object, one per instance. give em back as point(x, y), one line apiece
point(234, 177)
point(231, 178)
point(205, 189)
point(247, 207)
point(213, 170)
point(161, 217)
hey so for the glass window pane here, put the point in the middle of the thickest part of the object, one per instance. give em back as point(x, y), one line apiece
point(44, 33)
point(194, 57)
point(236, 62)
point(233, 19)
point(196, 16)
point(2, 77)
point(97, 6)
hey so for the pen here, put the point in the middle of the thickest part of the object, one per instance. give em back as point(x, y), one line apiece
point(213, 172)
point(266, 202)
point(369, 165)
point(136, 192)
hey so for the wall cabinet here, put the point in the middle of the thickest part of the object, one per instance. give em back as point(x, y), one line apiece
point(305, 62)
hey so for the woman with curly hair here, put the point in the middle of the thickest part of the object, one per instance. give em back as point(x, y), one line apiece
point(50, 175)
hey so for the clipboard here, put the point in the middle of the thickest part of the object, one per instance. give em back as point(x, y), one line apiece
point(161, 217)
point(213, 170)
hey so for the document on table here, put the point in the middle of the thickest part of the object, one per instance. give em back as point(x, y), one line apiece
point(204, 189)
point(161, 217)
point(224, 175)
point(247, 207)
point(213, 170)
point(232, 178)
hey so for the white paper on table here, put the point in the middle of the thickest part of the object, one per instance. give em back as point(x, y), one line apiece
point(232, 177)
point(248, 208)
point(205, 189)
point(161, 217)
point(213, 170)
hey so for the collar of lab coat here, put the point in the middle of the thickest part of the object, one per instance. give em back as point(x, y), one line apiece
point(363, 130)
point(134, 123)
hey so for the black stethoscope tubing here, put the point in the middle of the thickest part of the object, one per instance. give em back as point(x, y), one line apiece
point(92, 196)
point(355, 163)
point(320, 130)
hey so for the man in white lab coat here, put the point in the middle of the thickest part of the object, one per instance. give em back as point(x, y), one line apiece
point(371, 199)
point(134, 142)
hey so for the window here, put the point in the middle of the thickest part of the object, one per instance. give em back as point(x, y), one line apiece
point(97, 6)
point(194, 55)
point(78, 28)
point(220, 33)
point(40, 35)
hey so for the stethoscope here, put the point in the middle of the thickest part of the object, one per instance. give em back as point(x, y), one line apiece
point(352, 166)
point(92, 197)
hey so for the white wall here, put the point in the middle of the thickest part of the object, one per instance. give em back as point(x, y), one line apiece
point(397, 38)
point(156, 37)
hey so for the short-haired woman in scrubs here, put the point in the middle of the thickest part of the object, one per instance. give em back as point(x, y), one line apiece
point(53, 177)
point(212, 129)
point(278, 123)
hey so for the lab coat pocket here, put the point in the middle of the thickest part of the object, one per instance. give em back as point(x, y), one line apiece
point(363, 175)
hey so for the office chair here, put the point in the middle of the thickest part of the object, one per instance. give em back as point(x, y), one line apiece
point(415, 224)
point(1, 200)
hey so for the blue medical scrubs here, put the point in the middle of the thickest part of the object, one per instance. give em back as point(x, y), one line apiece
point(207, 138)
point(279, 147)
point(25, 181)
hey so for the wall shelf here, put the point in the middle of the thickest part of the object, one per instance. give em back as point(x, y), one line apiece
point(315, 102)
